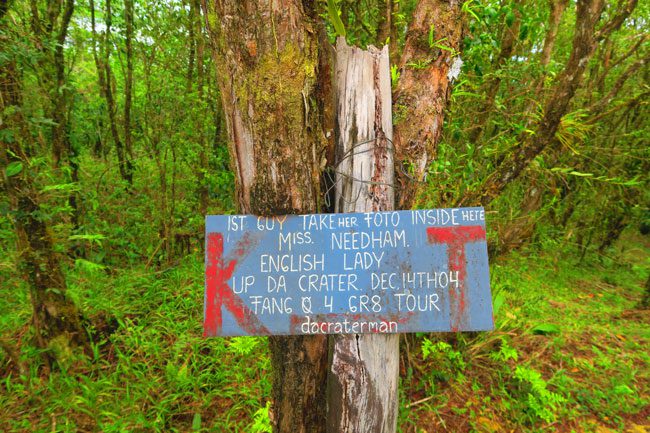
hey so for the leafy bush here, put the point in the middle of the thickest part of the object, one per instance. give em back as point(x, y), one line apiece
point(541, 402)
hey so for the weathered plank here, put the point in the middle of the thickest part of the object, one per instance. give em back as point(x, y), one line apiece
point(362, 384)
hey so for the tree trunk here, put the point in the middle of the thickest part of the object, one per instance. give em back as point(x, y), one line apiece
point(556, 11)
point(266, 54)
point(62, 146)
point(422, 92)
point(55, 318)
point(125, 165)
point(364, 374)
point(195, 23)
point(128, 82)
point(59, 94)
point(557, 8)
point(99, 147)
point(193, 37)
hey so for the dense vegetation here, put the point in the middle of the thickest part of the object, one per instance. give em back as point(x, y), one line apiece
point(114, 145)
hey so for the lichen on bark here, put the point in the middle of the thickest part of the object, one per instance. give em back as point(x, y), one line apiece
point(267, 59)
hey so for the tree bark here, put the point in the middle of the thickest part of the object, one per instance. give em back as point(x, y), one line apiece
point(266, 54)
point(99, 147)
point(128, 82)
point(125, 165)
point(362, 396)
point(59, 94)
point(557, 8)
point(62, 147)
point(423, 90)
point(192, 20)
point(556, 11)
point(56, 319)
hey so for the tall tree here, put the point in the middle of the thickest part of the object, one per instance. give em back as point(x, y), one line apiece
point(124, 162)
point(585, 40)
point(128, 81)
point(267, 59)
point(268, 75)
point(427, 69)
point(55, 318)
point(199, 43)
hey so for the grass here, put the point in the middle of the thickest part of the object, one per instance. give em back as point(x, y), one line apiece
point(570, 353)
point(154, 373)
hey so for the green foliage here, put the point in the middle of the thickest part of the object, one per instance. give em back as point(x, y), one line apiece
point(569, 347)
point(595, 160)
point(334, 15)
point(155, 372)
point(13, 168)
point(516, 379)
point(243, 345)
point(394, 76)
point(261, 420)
point(505, 353)
point(196, 422)
point(541, 402)
point(443, 351)
point(546, 329)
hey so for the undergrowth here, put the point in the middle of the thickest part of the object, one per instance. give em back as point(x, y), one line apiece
point(569, 353)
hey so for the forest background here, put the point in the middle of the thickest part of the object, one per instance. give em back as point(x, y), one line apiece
point(114, 145)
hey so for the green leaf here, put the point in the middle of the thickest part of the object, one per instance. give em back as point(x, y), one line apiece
point(523, 33)
point(469, 94)
point(545, 329)
point(196, 422)
point(467, 8)
point(43, 121)
point(431, 35)
point(88, 266)
point(623, 390)
point(394, 75)
point(577, 173)
point(73, 186)
point(335, 19)
point(499, 299)
point(92, 238)
point(7, 135)
point(14, 168)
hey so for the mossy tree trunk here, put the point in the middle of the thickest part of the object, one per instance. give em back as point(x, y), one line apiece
point(267, 60)
point(198, 44)
point(420, 99)
point(56, 319)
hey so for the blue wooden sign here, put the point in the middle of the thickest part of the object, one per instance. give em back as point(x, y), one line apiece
point(384, 272)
